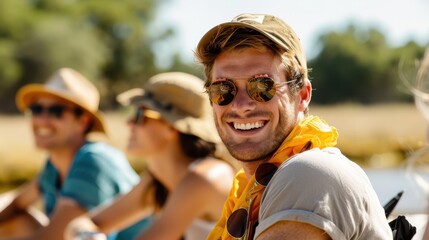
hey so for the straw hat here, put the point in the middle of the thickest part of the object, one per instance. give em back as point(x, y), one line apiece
point(181, 100)
point(69, 85)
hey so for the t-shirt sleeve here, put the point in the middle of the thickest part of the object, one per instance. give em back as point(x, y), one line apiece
point(328, 191)
point(47, 181)
point(96, 178)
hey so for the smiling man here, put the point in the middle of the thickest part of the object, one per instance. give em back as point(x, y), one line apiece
point(79, 174)
point(294, 184)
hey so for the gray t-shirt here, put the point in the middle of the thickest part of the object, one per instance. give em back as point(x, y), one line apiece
point(325, 189)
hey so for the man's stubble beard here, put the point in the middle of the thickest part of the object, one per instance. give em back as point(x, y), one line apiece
point(267, 147)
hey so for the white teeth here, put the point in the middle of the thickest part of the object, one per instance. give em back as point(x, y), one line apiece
point(248, 126)
point(43, 132)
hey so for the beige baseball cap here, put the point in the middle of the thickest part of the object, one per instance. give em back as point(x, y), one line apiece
point(70, 85)
point(180, 99)
point(270, 26)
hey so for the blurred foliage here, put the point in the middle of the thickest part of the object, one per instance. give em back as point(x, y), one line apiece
point(115, 45)
point(358, 65)
point(107, 40)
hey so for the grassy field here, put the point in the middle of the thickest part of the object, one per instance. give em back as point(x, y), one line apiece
point(378, 135)
point(373, 136)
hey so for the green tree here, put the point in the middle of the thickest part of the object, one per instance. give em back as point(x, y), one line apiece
point(403, 63)
point(109, 41)
point(358, 65)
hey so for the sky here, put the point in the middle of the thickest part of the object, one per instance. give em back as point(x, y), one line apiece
point(399, 20)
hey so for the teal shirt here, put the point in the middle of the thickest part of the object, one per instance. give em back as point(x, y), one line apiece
point(98, 174)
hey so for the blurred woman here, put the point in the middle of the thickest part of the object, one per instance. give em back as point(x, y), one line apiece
point(185, 186)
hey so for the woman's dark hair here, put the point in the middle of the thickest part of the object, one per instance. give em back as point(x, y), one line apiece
point(195, 147)
point(160, 193)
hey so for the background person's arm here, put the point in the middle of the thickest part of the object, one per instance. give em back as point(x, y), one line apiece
point(189, 200)
point(66, 210)
point(293, 230)
point(17, 216)
point(124, 211)
point(21, 199)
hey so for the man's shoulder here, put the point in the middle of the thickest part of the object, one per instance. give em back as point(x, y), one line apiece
point(94, 145)
point(99, 150)
point(324, 166)
point(326, 189)
point(325, 159)
point(100, 157)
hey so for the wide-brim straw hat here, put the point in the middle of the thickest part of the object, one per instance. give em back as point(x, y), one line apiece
point(181, 101)
point(71, 86)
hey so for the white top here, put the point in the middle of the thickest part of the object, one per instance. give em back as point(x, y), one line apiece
point(199, 229)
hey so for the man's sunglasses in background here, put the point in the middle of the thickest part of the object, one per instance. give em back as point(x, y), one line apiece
point(53, 111)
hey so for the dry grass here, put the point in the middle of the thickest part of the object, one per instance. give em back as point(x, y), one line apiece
point(19, 158)
point(377, 135)
point(373, 136)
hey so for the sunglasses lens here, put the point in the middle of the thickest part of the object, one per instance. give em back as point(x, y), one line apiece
point(139, 116)
point(264, 173)
point(36, 109)
point(56, 111)
point(222, 93)
point(236, 224)
point(261, 89)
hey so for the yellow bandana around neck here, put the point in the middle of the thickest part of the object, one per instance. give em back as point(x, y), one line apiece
point(311, 132)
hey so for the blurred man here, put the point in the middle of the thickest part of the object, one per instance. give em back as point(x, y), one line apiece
point(79, 175)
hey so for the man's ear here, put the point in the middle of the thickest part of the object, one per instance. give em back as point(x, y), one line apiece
point(87, 122)
point(305, 95)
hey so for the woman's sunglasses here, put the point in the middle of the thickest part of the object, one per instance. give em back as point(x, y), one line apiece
point(241, 223)
point(261, 89)
point(54, 111)
point(141, 114)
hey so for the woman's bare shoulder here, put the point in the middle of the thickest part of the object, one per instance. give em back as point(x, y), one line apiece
point(214, 169)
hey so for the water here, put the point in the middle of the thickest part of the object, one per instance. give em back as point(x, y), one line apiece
point(414, 201)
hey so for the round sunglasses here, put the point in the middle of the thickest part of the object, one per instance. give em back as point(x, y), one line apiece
point(242, 222)
point(141, 114)
point(261, 89)
point(53, 111)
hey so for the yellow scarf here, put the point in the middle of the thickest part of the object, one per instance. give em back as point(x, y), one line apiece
point(311, 129)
